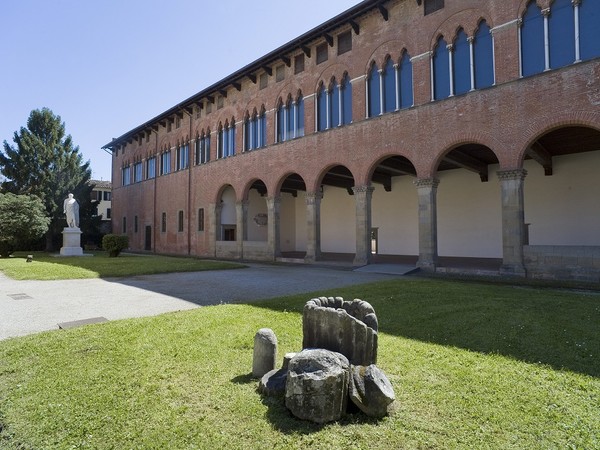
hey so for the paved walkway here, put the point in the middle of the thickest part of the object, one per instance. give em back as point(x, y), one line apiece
point(31, 306)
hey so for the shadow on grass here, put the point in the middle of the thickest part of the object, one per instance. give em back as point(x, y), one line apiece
point(548, 326)
point(284, 421)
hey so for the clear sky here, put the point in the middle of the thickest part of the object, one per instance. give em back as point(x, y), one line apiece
point(107, 66)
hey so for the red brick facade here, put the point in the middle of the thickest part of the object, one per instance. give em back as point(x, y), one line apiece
point(501, 123)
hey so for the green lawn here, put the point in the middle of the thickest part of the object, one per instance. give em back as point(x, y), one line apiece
point(473, 366)
point(51, 267)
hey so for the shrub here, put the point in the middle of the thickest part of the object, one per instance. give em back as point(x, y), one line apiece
point(114, 243)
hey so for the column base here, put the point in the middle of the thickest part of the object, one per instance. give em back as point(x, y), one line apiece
point(427, 265)
point(513, 270)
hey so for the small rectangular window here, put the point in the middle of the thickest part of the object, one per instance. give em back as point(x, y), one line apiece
point(344, 41)
point(135, 224)
point(220, 102)
point(201, 219)
point(124, 230)
point(180, 221)
point(299, 64)
point(208, 107)
point(322, 53)
point(433, 5)
point(280, 73)
point(108, 213)
point(163, 222)
point(263, 80)
point(107, 196)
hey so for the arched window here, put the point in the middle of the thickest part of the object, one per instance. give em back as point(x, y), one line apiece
point(289, 119)
point(322, 108)
point(346, 93)
point(532, 41)
point(262, 127)
point(300, 115)
point(373, 91)
point(389, 86)
point(406, 81)
point(589, 31)
point(461, 67)
point(231, 138)
point(203, 148)
point(334, 104)
point(247, 133)
point(561, 34)
point(279, 117)
point(226, 140)
point(483, 54)
point(441, 71)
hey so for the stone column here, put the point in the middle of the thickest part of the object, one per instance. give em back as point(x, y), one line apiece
point(362, 197)
point(274, 224)
point(428, 252)
point(214, 226)
point(513, 221)
point(313, 226)
point(241, 220)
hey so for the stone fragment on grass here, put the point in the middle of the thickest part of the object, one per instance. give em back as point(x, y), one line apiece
point(371, 390)
point(273, 383)
point(317, 385)
point(265, 352)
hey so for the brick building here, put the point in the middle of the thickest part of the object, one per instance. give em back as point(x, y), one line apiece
point(415, 129)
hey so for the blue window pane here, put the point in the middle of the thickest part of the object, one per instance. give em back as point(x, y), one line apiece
point(441, 74)
point(247, 133)
point(225, 146)
point(461, 64)
point(373, 90)
point(406, 82)
point(280, 123)
point(335, 106)
point(389, 87)
point(207, 148)
point(561, 28)
point(300, 113)
point(231, 140)
point(483, 54)
point(322, 109)
point(532, 41)
point(346, 101)
point(289, 121)
point(589, 30)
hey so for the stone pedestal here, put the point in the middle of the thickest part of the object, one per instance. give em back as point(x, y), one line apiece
point(71, 242)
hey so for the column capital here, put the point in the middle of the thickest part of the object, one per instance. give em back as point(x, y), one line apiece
point(470, 39)
point(427, 182)
point(313, 197)
point(546, 12)
point(274, 198)
point(450, 47)
point(363, 189)
point(512, 174)
point(576, 2)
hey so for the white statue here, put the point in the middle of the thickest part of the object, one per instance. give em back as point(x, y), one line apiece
point(71, 209)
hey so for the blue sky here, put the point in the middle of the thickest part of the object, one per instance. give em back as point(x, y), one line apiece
point(106, 66)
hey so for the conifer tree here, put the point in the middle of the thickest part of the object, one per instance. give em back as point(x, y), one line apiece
point(45, 163)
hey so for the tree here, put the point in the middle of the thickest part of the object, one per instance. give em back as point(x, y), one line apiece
point(45, 163)
point(22, 219)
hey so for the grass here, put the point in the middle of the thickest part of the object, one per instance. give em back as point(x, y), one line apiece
point(50, 267)
point(473, 366)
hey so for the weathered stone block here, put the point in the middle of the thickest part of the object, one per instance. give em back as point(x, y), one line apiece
point(317, 385)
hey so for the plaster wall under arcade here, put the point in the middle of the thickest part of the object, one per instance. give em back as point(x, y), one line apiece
point(564, 208)
point(257, 205)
